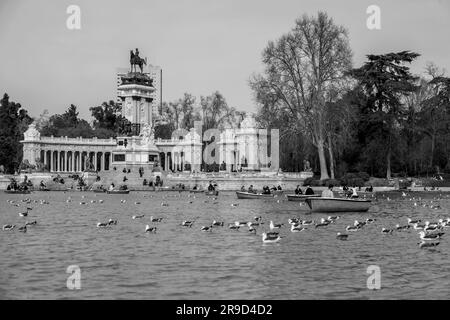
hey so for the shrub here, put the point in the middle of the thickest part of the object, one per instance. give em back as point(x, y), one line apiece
point(308, 181)
point(317, 183)
point(364, 175)
point(334, 182)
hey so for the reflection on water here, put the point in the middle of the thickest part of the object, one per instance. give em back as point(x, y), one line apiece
point(123, 262)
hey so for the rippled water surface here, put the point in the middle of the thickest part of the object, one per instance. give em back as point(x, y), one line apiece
point(124, 262)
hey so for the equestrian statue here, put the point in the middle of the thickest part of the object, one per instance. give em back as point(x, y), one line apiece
point(135, 60)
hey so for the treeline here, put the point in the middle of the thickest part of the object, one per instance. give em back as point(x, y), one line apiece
point(212, 110)
point(14, 121)
point(107, 123)
point(377, 118)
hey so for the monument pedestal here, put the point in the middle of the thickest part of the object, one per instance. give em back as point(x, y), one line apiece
point(134, 153)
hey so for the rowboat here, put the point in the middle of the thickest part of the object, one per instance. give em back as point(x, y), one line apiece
point(212, 193)
point(18, 191)
point(322, 204)
point(118, 191)
point(248, 195)
point(196, 191)
point(300, 197)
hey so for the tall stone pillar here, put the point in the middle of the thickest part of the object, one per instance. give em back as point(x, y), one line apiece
point(95, 160)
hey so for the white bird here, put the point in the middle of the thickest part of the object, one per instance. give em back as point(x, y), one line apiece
point(352, 228)
point(233, 227)
point(9, 227)
point(270, 238)
point(425, 244)
point(23, 214)
point(428, 237)
point(138, 216)
point(296, 228)
point(386, 231)
point(102, 224)
point(341, 236)
point(111, 222)
point(206, 228)
point(150, 229)
point(187, 223)
point(155, 219)
point(274, 226)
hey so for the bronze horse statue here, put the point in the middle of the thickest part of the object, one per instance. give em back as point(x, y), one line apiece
point(135, 60)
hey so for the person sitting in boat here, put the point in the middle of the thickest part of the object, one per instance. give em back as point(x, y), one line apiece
point(123, 187)
point(195, 187)
point(309, 191)
point(328, 193)
point(344, 187)
point(279, 188)
point(354, 193)
point(144, 183)
point(243, 188)
point(42, 184)
point(211, 187)
point(298, 190)
point(251, 190)
point(266, 190)
point(111, 187)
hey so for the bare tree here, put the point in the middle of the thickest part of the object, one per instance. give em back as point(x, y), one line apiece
point(301, 67)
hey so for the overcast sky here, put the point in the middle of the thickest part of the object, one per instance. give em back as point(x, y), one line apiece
point(201, 45)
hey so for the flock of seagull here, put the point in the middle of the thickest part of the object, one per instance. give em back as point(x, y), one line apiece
point(430, 233)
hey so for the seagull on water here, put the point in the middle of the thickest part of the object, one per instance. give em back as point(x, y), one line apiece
point(387, 231)
point(8, 227)
point(341, 236)
point(187, 223)
point(138, 216)
point(233, 227)
point(111, 222)
point(155, 219)
point(150, 229)
point(206, 228)
point(425, 244)
point(102, 224)
point(296, 228)
point(428, 237)
point(270, 238)
point(274, 226)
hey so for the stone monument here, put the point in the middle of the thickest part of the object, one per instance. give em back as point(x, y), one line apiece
point(139, 149)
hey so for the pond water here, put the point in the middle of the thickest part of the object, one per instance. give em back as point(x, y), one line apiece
point(124, 262)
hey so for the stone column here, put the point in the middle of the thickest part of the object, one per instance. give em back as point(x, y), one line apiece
point(51, 160)
point(166, 161)
point(72, 159)
point(45, 160)
point(102, 162)
point(95, 160)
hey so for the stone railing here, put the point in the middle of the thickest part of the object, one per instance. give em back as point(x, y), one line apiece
point(79, 140)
